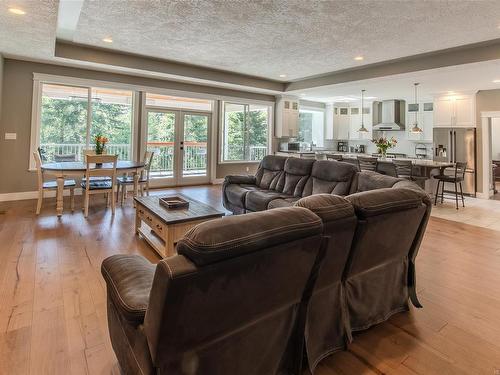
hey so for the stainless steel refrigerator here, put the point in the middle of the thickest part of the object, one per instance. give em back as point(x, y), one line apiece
point(457, 145)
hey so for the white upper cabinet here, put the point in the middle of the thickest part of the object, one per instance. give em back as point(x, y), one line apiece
point(451, 111)
point(355, 123)
point(464, 111)
point(330, 120)
point(341, 123)
point(425, 114)
point(287, 117)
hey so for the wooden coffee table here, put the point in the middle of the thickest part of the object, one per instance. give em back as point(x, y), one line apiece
point(162, 227)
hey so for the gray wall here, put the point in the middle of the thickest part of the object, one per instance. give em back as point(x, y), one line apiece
point(16, 115)
point(1, 82)
point(486, 100)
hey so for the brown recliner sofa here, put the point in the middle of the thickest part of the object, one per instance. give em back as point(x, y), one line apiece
point(281, 181)
point(231, 302)
point(368, 272)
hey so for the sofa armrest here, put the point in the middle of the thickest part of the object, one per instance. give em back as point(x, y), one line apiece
point(129, 279)
point(243, 179)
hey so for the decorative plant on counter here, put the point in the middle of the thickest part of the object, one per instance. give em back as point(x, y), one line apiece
point(383, 144)
point(100, 144)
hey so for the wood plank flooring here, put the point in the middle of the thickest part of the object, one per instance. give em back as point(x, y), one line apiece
point(53, 312)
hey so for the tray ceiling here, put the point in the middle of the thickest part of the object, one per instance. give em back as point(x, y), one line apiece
point(295, 37)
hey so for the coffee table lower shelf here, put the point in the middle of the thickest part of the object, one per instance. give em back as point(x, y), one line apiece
point(162, 228)
point(163, 237)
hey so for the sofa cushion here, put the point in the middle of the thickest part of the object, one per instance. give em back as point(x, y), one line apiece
point(236, 194)
point(282, 202)
point(129, 279)
point(383, 201)
point(259, 200)
point(328, 207)
point(296, 173)
point(329, 177)
point(368, 180)
point(269, 171)
point(233, 236)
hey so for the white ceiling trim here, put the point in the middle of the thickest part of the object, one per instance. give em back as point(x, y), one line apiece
point(83, 82)
point(67, 18)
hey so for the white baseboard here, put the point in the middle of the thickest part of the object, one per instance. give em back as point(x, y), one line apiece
point(486, 195)
point(23, 195)
point(217, 181)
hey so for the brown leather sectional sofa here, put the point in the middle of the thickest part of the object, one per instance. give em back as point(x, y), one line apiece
point(331, 252)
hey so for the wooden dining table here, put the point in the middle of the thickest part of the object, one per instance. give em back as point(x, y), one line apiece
point(76, 169)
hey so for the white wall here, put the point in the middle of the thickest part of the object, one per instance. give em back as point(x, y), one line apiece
point(495, 138)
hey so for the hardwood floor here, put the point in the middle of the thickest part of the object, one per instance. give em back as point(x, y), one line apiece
point(53, 314)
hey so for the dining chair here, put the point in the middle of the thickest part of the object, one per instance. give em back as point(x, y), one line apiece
point(366, 163)
point(336, 157)
point(106, 186)
point(64, 158)
point(50, 185)
point(457, 178)
point(125, 180)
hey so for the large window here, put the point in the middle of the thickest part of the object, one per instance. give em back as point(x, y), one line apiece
point(71, 116)
point(312, 127)
point(245, 133)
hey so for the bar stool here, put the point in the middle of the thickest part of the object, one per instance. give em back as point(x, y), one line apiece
point(455, 179)
point(334, 157)
point(405, 169)
point(366, 163)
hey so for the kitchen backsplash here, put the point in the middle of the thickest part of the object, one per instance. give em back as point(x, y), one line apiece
point(404, 146)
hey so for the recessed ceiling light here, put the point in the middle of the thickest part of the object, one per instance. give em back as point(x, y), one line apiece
point(17, 11)
point(282, 75)
point(107, 40)
point(359, 58)
point(496, 81)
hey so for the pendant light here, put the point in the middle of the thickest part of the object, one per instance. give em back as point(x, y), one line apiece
point(362, 129)
point(416, 128)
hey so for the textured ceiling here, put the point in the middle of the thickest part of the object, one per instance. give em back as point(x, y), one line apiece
point(31, 35)
point(298, 38)
point(459, 78)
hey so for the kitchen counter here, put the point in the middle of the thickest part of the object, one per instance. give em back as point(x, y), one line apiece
point(418, 162)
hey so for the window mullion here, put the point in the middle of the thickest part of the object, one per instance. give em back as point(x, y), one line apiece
point(89, 116)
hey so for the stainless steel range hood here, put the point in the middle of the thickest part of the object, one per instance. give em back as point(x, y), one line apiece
point(389, 115)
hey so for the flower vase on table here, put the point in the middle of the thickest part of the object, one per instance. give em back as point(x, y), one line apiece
point(100, 146)
point(383, 144)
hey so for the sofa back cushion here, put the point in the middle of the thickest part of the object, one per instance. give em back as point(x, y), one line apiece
point(327, 325)
point(369, 180)
point(269, 171)
point(296, 173)
point(389, 221)
point(329, 177)
point(228, 303)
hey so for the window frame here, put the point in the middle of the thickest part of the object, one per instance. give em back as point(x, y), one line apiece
point(221, 112)
point(36, 109)
point(317, 109)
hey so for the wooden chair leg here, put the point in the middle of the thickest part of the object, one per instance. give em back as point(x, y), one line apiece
point(462, 194)
point(39, 202)
point(86, 204)
point(124, 191)
point(113, 200)
point(147, 188)
point(437, 193)
point(456, 195)
point(118, 191)
point(72, 199)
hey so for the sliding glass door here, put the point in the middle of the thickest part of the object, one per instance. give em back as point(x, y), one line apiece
point(179, 140)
